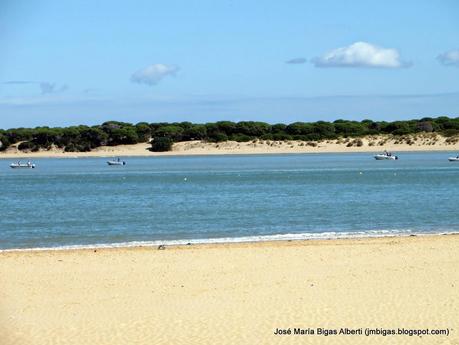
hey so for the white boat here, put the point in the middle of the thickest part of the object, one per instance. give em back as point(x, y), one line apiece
point(19, 165)
point(454, 159)
point(385, 156)
point(116, 162)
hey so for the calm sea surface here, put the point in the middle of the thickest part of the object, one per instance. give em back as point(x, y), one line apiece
point(65, 202)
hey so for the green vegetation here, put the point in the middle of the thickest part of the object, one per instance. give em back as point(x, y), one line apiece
point(85, 138)
point(161, 144)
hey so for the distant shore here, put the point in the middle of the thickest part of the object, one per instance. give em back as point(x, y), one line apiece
point(372, 144)
point(234, 293)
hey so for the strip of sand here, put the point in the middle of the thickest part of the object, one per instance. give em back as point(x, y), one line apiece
point(371, 144)
point(232, 293)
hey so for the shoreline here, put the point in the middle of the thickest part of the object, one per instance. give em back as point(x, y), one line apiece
point(199, 154)
point(228, 241)
point(371, 145)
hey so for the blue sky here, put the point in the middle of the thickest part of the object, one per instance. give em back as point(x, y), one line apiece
point(72, 62)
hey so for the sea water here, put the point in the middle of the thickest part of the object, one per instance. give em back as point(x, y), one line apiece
point(150, 200)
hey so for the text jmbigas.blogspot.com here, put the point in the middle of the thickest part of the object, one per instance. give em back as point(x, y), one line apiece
point(360, 331)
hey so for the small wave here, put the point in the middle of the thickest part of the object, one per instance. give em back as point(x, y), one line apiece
point(243, 239)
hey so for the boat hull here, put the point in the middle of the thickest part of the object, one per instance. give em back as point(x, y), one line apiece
point(116, 163)
point(453, 159)
point(384, 157)
point(22, 166)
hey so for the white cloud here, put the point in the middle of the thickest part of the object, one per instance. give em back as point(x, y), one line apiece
point(153, 74)
point(450, 58)
point(361, 54)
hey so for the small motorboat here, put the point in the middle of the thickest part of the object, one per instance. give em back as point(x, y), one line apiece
point(385, 156)
point(454, 159)
point(116, 162)
point(19, 165)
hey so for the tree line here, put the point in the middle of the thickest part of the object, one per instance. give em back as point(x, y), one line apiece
point(163, 135)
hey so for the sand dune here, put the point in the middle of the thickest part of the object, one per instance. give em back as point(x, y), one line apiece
point(373, 144)
point(232, 293)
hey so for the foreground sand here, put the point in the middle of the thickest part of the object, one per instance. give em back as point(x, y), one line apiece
point(233, 293)
point(373, 144)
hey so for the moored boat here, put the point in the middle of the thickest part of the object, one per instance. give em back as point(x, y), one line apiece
point(454, 159)
point(18, 165)
point(116, 162)
point(385, 156)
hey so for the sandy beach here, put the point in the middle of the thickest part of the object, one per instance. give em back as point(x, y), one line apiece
point(372, 144)
point(233, 293)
